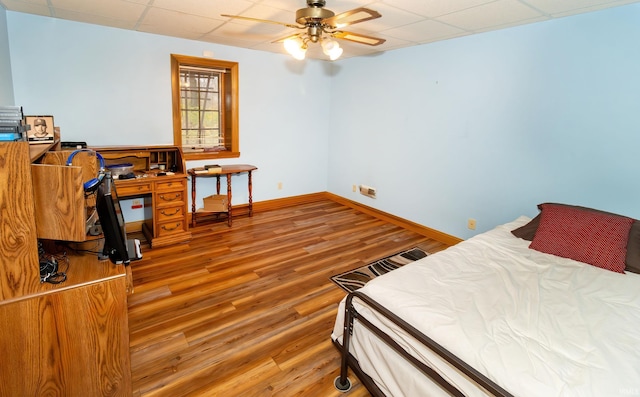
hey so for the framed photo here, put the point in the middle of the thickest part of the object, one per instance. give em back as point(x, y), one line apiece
point(41, 129)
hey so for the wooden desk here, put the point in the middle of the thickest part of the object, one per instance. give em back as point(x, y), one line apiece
point(166, 195)
point(228, 171)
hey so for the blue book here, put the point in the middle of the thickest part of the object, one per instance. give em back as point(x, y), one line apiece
point(10, 136)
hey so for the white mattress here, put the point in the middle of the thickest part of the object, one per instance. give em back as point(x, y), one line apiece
point(534, 323)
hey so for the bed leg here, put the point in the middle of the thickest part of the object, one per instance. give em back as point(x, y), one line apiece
point(337, 383)
point(342, 382)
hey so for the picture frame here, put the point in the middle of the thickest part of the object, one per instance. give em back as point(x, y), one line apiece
point(42, 129)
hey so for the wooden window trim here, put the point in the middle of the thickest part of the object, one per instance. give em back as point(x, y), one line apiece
point(231, 115)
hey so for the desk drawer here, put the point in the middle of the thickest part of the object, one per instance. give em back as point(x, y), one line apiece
point(169, 228)
point(174, 184)
point(168, 213)
point(170, 198)
point(133, 190)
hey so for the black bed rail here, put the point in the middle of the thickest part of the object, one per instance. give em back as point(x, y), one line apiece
point(342, 383)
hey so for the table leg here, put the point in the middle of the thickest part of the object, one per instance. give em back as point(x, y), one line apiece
point(250, 195)
point(193, 200)
point(229, 198)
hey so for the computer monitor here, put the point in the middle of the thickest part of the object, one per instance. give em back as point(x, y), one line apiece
point(116, 245)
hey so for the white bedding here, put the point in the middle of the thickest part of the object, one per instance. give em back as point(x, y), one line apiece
point(534, 323)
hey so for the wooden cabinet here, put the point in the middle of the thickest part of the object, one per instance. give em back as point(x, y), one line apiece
point(68, 339)
point(61, 206)
point(169, 224)
point(59, 201)
point(72, 342)
point(19, 270)
point(170, 202)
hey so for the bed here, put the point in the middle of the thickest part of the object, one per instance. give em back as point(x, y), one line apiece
point(505, 315)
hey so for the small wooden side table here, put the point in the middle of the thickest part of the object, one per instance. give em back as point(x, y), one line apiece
point(228, 171)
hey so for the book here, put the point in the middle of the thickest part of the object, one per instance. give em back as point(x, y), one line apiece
point(14, 122)
point(13, 128)
point(10, 136)
point(11, 113)
point(213, 168)
point(13, 109)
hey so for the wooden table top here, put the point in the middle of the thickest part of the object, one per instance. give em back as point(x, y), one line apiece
point(226, 169)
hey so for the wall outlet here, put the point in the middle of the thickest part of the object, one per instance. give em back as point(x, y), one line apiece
point(368, 191)
point(471, 224)
point(354, 188)
point(279, 185)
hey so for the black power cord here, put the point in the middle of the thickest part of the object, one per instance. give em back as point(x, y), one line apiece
point(49, 266)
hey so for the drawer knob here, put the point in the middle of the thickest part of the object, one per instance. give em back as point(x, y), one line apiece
point(163, 212)
point(175, 197)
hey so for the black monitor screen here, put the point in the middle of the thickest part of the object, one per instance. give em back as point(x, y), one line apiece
point(112, 222)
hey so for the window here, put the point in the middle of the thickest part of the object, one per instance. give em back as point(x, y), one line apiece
point(205, 107)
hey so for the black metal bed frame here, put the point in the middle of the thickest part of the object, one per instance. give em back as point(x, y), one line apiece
point(342, 383)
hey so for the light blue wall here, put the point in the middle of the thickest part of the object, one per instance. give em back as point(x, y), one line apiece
point(6, 82)
point(488, 126)
point(483, 127)
point(110, 86)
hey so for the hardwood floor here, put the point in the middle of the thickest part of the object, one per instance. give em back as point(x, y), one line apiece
point(248, 310)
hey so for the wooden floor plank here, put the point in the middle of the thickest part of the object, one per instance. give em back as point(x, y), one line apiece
point(248, 310)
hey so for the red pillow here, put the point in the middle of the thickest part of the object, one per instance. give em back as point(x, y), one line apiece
point(599, 239)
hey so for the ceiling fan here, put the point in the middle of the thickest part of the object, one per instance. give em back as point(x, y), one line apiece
point(320, 24)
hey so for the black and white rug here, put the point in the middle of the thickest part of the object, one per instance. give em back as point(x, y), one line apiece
point(357, 278)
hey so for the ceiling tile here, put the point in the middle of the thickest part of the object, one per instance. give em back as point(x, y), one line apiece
point(12, 3)
point(391, 17)
point(435, 8)
point(95, 19)
point(253, 32)
point(427, 30)
point(497, 13)
point(207, 9)
point(158, 20)
point(593, 8)
point(39, 8)
point(267, 13)
point(118, 10)
point(554, 6)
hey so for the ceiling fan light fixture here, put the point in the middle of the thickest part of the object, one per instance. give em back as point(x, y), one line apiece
point(292, 44)
point(300, 54)
point(331, 48)
point(296, 47)
point(328, 45)
point(335, 53)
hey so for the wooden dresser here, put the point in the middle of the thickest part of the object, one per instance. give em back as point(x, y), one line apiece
point(69, 339)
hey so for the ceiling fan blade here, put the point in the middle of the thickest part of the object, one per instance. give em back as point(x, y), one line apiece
point(291, 36)
point(289, 25)
point(351, 17)
point(358, 38)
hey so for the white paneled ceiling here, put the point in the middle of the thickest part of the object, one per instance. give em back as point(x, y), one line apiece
point(404, 23)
